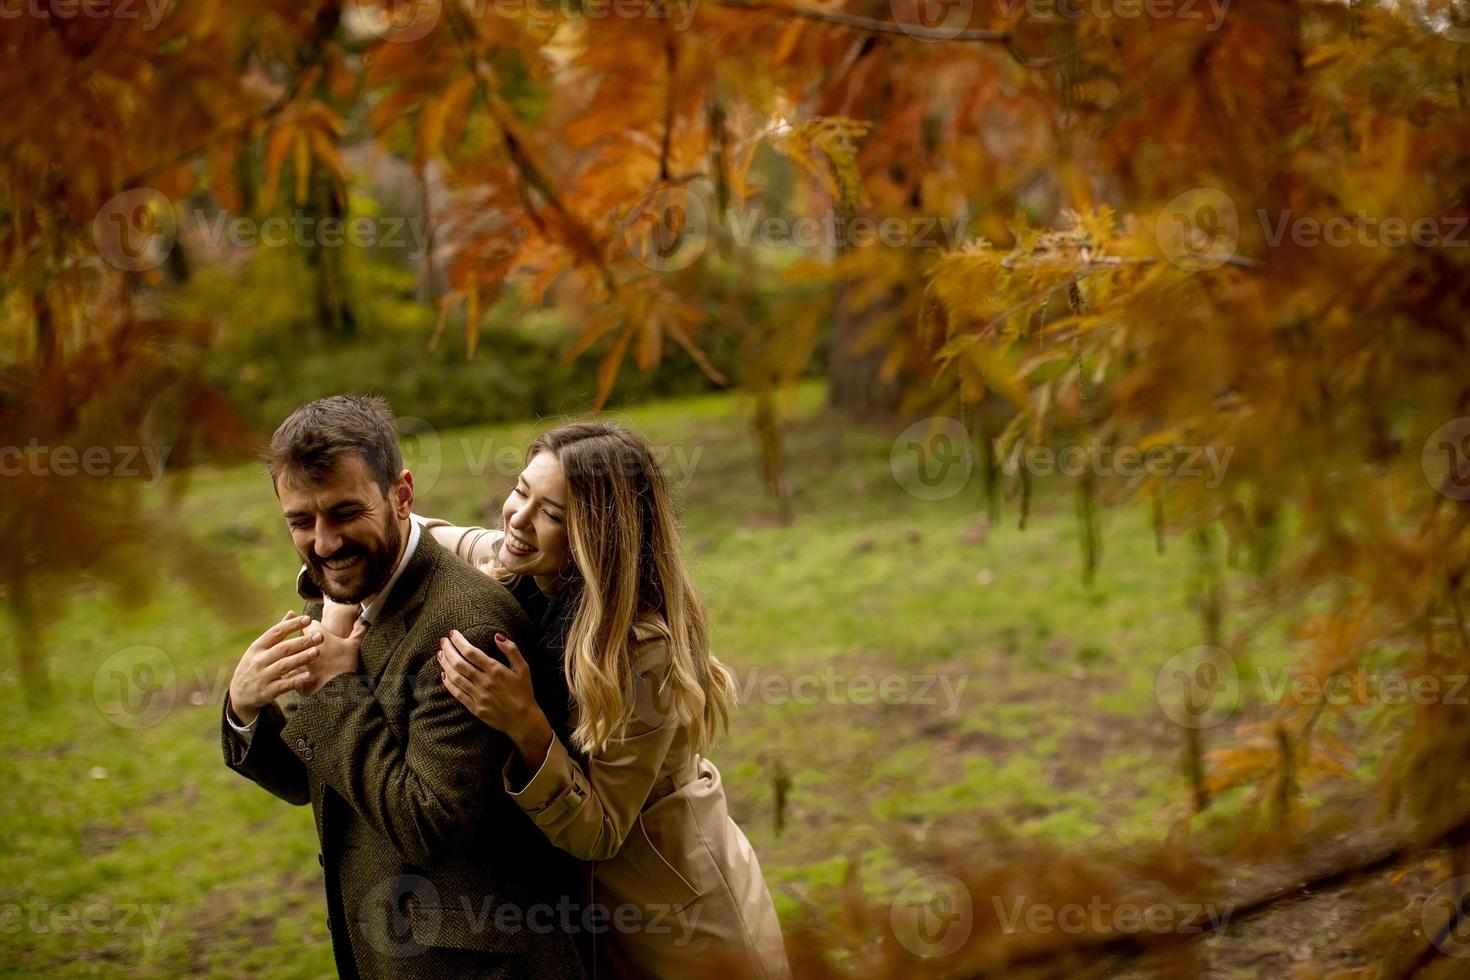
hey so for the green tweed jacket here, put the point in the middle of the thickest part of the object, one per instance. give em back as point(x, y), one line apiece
point(431, 870)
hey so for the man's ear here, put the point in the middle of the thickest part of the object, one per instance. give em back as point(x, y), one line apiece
point(403, 495)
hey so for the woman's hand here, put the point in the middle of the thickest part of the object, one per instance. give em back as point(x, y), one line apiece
point(340, 618)
point(337, 653)
point(501, 696)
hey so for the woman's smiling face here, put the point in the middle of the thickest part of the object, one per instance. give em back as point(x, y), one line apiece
point(535, 522)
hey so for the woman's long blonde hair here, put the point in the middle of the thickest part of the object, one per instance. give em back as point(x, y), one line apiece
point(624, 543)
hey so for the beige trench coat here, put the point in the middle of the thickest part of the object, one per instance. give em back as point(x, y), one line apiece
point(680, 882)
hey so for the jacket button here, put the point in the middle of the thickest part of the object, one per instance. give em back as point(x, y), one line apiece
point(301, 743)
point(308, 754)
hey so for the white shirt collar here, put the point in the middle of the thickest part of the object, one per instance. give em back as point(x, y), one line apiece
point(373, 604)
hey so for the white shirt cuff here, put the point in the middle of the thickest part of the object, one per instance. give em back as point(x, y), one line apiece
point(243, 731)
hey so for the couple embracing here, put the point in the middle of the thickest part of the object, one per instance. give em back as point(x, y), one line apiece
point(500, 732)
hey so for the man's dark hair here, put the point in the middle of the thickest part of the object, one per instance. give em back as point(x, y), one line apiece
point(317, 436)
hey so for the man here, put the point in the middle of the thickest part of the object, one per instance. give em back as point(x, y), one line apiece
point(431, 870)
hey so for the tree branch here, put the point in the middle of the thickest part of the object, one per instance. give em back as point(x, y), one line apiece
point(915, 31)
point(527, 168)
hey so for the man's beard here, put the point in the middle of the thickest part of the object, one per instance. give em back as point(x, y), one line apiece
point(376, 567)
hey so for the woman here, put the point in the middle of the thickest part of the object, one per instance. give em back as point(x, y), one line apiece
point(590, 545)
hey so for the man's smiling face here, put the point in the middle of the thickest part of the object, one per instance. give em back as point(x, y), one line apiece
point(348, 532)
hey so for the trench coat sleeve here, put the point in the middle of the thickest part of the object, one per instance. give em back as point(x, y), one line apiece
point(476, 546)
point(587, 808)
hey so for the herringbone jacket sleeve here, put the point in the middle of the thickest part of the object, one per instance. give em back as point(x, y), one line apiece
point(265, 760)
point(422, 788)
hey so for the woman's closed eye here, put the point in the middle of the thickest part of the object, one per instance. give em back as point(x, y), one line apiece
point(525, 494)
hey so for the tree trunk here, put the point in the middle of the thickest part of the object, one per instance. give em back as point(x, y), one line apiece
point(853, 387)
point(334, 313)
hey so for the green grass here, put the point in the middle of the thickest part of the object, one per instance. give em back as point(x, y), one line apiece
point(1053, 730)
